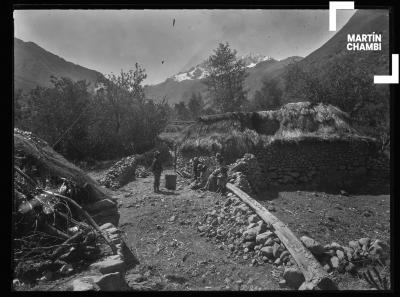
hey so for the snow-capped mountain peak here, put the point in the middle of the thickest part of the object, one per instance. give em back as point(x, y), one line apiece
point(199, 71)
point(252, 60)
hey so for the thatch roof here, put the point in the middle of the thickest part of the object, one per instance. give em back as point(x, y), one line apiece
point(240, 132)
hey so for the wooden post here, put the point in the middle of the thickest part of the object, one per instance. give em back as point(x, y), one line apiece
point(315, 276)
point(175, 156)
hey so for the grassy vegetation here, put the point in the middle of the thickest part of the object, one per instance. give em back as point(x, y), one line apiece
point(234, 134)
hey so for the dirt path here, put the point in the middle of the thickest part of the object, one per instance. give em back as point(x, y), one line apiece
point(161, 229)
point(173, 256)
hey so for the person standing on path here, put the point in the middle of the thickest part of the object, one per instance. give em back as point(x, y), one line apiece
point(211, 184)
point(222, 180)
point(195, 164)
point(156, 168)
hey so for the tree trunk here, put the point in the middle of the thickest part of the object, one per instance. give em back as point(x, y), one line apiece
point(312, 270)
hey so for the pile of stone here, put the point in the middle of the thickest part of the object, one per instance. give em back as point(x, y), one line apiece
point(235, 227)
point(239, 179)
point(349, 258)
point(120, 173)
point(108, 273)
point(246, 173)
point(141, 171)
point(184, 164)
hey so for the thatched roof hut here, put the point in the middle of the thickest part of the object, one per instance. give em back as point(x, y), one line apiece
point(236, 133)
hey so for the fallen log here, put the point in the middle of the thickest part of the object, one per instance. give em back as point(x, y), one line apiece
point(315, 276)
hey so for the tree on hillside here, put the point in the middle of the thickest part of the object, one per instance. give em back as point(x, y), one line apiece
point(58, 115)
point(303, 85)
point(20, 108)
point(225, 79)
point(129, 119)
point(268, 97)
point(345, 82)
point(122, 91)
point(181, 111)
point(195, 105)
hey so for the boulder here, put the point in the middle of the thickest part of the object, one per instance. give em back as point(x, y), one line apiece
point(284, 255)
point(355, 245)
point(306, 287)
point(106, 226)
point(327, 267)
point(111, 282)
point(109, 265)
point(252, 225)
point(262, 237)
point(83, 284)
point(340, 255)
point(249, 244)
point(314, 246)
point(267, 251)
point(113, 230)
point(261, 227)
point(250, 234)
point(335, 262)
point(293, 277)
point(134, 278)
point(348, 252)
point(334, 246)
point(364, 241)
point(379, 247)
point(269, 242)
point(277, 250)
point(253, 219)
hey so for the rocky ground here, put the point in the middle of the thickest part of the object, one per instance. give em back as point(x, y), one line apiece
point(168, 234)
point(329, 217)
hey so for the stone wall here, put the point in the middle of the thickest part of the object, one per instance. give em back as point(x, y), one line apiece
point(351, 165)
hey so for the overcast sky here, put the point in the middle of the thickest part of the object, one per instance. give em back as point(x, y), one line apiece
point(108, 40)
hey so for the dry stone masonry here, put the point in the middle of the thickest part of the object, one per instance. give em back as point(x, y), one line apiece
point(246, 174)
point(120, 173)
point(107, 274)
point(336, 164)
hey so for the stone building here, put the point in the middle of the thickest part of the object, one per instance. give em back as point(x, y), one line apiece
point(300, 146)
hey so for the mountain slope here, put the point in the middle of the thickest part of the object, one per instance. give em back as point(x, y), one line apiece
point(33, 66)
point(181, 86)
point(362, 22)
